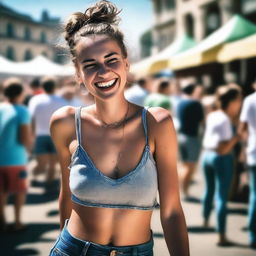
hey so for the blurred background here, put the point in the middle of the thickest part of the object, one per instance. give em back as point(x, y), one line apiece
point(172, 44)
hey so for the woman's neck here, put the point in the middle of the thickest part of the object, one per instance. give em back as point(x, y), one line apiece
point(112, 111)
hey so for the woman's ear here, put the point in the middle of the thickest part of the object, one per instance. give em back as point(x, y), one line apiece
point(78, 77)
point(127, 65)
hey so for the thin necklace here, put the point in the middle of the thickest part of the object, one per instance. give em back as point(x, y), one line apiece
point(115, 125)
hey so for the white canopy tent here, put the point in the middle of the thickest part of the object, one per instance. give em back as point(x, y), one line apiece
point(39, 66)
point(6, 65)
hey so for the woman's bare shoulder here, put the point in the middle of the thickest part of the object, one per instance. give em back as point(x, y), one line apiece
point(62, 122)
point(159, 117)
point(62, 114)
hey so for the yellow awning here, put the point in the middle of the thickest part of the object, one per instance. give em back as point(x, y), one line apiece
point(207, 50)
point(193, 59)
point(141, 68)
point(242, 49)
point(160, 61)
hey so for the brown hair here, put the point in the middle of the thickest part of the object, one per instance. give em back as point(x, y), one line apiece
point(12, 88)
point(99, 19)
point(48, 84)
point(225, 94)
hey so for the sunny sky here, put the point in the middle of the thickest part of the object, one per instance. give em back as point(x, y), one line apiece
point(137, 15)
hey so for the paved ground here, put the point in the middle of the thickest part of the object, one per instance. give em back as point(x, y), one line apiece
point(41, 216)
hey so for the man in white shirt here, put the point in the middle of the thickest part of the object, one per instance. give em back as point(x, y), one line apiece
point(41, 108)
point(138, 92)
point(248, 127)
point(68, 92)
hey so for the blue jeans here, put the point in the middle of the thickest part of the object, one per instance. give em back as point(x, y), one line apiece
point(44, 145)
point(252, 204)
point(218, 170)
point(68, 245)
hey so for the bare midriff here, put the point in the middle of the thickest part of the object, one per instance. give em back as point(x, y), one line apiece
point(108, 226)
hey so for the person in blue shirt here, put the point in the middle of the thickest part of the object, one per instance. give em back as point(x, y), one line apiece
point(190, 115)
point(15, 139)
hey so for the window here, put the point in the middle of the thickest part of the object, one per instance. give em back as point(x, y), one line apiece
point(28, 55)
point(170, 4)
point(213, 19)
point(10, 53)
point(27, 34)
point(10, 30)
point(43, 37)
point(189, 21)
point(158, 6)
point(248, 6)
point(59, 58)
point(146, 42)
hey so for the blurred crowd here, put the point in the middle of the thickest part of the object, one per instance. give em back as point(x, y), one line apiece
point(216, 132)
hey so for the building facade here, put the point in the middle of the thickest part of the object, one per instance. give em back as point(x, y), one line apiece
point(197, 18)
point(22, 38)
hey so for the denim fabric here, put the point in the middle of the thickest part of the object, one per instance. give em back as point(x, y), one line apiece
point(44, 145)
point(189, 148)
point(68, 245)
point(90, 187)
point(217, 170)
point(252, 204)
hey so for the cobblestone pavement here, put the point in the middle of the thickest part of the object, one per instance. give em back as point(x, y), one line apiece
point(41, 216)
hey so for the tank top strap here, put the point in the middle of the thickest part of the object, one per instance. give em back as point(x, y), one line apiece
point(144, 121)
point(78, 124)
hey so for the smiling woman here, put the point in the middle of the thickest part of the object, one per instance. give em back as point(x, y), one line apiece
point(94, 64)
point(115, 156)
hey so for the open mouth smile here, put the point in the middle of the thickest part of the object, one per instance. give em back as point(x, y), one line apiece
point(106, 85)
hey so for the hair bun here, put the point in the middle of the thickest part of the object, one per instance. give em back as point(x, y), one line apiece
point(100, 19)
point(102, 12)
point(74, 23)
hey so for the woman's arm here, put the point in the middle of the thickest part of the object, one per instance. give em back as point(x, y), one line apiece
point(61, 130)
point(225, 147)
point(172, 217)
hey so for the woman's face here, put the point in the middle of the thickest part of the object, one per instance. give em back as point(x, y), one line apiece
point(101, 66)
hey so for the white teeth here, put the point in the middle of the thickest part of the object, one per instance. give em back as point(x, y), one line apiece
point(107, 84)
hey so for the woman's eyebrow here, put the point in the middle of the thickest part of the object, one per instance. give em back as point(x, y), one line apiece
point(106, 56)
point(88, 60)
point(110, 54)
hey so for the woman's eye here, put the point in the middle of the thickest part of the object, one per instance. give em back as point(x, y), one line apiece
point(113, 60)
point(90, 66)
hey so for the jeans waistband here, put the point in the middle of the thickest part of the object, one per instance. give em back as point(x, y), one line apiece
point(91, 246)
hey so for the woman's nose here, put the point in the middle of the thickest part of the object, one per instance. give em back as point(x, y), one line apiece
point(103, 69)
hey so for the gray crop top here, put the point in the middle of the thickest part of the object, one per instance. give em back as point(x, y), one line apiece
point(90, 187)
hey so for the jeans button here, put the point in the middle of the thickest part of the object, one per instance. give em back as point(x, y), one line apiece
point(113, 253)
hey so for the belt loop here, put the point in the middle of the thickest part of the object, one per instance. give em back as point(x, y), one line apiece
point(134, 251)
point(86, 247)
point(65, 224)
